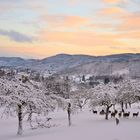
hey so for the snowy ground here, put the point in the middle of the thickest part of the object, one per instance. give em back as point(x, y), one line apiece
point(85, 126)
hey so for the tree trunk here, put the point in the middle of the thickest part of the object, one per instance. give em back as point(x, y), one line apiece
point(30, 115)
point(69, 114)
point(20, 120)
point(129, 104)
point(81, 107)
point(126, 105)
point(107, 112)
point(122, 106)
point(114, 107)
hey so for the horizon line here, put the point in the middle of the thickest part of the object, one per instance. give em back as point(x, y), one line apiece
point(25, 58)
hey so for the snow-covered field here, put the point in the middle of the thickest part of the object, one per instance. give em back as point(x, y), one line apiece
point(85, 126)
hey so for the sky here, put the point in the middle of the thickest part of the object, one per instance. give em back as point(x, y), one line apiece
point(42, 28)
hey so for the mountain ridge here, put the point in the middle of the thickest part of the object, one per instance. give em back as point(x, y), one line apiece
point(78, 64)
point(65, 54)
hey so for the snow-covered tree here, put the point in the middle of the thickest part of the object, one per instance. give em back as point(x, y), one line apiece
point(103, 95)
point(57, 85)
point(23, 97)
point(80, 98)
point(128, 93)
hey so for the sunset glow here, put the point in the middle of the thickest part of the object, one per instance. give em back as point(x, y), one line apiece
point(38, 29)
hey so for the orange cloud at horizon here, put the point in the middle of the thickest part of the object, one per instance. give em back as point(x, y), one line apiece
point(130, 22)
point(112, 11)
point(67, 43)
point(43, 51)
point(80, 38)
point(114, 1)
point(61, 21)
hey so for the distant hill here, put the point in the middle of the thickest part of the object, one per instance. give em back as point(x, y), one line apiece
point(79, 64)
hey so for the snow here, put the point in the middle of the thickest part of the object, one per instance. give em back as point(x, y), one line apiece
point(85, 125)
point(121, 72)
point(25, 95)
point(78, 64)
